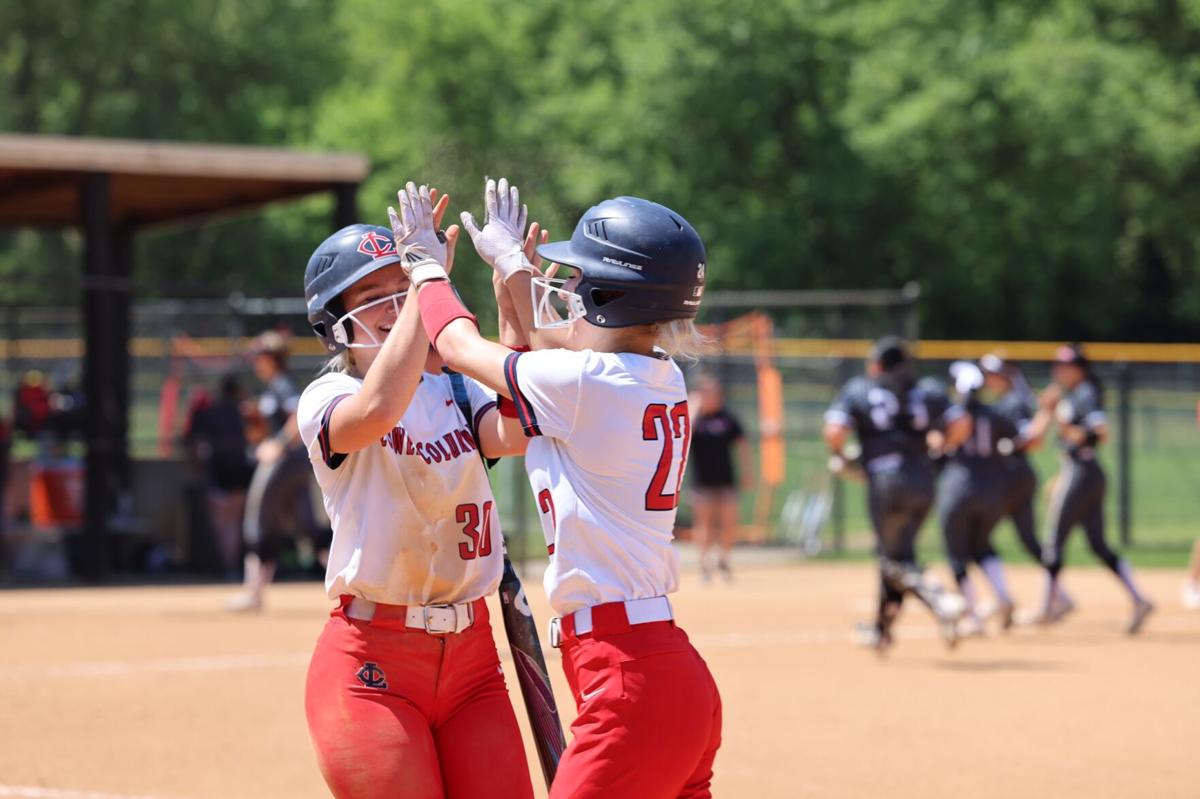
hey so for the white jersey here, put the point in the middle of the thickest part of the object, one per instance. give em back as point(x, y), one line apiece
point(610, 438)
point(414, 519)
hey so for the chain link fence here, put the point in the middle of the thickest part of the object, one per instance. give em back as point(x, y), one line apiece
point(180, 348)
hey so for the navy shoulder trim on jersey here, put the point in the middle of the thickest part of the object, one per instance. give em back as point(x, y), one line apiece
point(479, 416)
point(525, 412)
point(331, 459)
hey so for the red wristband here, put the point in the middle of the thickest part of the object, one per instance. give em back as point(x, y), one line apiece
point(524, 348)
point(440, 305)
point(507, 408)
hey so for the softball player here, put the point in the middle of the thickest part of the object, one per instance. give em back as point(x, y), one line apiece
point(608, 419)
point(1016, 402)
point(894, 417)
point(279, 506)
point(1076, 402)
point(971, 498)
point(405, 695)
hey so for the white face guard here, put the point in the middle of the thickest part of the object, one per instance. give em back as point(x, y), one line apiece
point(339, 329)
point(555, 306)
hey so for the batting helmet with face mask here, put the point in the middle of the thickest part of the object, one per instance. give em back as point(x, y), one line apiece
point(338, 263)
point(636, 262)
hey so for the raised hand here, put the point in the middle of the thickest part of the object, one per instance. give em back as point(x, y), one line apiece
point(1049, 397)
point(533, 238)
point(423, 251)
point(500, 241)
point(440, 204)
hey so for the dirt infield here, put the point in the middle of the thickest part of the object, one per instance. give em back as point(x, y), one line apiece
point(154, 692)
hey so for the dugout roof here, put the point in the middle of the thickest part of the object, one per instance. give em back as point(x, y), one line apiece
point(111, 189)
point(150, 182)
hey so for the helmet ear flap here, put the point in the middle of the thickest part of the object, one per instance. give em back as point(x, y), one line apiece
point(343, 332)
point(327, 329)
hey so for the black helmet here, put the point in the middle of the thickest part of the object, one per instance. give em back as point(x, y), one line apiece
point(638, 261)
point(1074, 355)
point(890, 352)
point(339, 262)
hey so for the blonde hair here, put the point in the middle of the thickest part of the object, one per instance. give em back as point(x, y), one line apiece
point(680, 338)
point(342, 364)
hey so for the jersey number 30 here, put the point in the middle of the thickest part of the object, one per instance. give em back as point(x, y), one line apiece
point(479, 544)
point(667, 423)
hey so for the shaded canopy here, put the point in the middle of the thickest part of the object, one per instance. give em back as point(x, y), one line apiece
point(156, 182)
point(110, 189)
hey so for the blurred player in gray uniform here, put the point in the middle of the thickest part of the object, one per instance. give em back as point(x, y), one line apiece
point(972, 497)
point(1075, 400)
point(1015, 401)
point(897, 419)
point(279, 503)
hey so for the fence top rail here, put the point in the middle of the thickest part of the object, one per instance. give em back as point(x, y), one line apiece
point(878, 298)
point(947, 350)
point(158, 346)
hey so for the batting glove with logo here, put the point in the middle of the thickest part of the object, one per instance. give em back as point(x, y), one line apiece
point(421, 248)
point(501, 240)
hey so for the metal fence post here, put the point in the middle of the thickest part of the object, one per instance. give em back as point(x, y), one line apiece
point(520, 504)
point(1124, 449)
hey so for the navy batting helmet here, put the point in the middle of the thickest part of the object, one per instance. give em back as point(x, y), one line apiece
point(339, 262)
point(638, 262)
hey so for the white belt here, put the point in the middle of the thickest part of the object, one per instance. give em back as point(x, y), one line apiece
point(637, 611)
point(433, 619)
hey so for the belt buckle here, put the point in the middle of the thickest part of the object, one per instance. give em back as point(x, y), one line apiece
point(555, 632)
point(425, 619)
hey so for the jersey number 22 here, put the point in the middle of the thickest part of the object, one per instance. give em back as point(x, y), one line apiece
point(667, 424)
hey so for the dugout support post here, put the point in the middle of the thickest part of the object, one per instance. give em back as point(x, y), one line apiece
point(345, 205)
point(107, 268)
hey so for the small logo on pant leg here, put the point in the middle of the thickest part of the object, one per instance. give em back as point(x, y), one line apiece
point(372, 676)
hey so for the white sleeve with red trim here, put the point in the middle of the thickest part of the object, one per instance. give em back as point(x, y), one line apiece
point(314, 411)
point(545, 388)
point(482, 400)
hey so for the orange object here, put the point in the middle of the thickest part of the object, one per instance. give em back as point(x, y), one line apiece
point(56, 496)
point(770, 418)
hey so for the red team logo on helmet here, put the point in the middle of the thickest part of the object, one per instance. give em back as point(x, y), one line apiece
point(376, 246)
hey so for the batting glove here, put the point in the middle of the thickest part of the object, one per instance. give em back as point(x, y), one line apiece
point(500, 241)
point(421, 248)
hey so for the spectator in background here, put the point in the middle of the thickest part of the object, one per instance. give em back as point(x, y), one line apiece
point(216, 443)
point(32, 405)
point(715, 434)
point(279, 505)
point(67, 408)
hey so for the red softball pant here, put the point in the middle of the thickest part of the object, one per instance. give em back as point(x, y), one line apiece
point(395, 712)
point(649, 722)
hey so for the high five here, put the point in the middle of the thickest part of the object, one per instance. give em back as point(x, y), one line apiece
point(606, 412)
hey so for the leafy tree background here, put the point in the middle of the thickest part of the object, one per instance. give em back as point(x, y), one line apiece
point(1035, 166)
